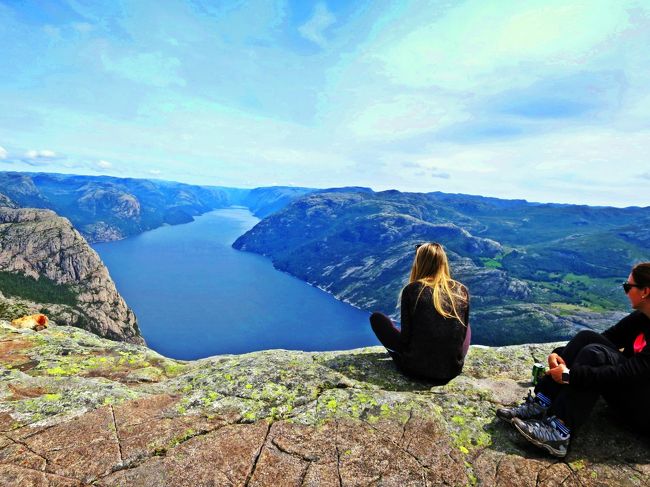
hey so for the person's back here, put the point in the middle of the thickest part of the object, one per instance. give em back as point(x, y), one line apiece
point(435, 333)
point(433, 345)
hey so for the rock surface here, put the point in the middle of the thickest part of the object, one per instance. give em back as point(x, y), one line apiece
point(40, 244)
point(76, 410)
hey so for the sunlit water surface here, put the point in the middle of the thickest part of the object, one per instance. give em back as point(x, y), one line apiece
point(195, 296)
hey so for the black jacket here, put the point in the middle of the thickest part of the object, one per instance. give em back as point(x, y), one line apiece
point(432, 345)
point(633, 371)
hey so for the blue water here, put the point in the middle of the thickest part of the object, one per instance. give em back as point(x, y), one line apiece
point(195, 296)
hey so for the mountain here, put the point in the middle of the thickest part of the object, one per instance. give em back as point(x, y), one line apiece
point(79, 410)
point(105, 208)
point(47, 266)
point(536, 272)
point(262, 202)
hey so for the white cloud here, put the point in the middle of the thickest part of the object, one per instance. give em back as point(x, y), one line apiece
point(314, 29)
point(154, 172)
point(40, 154)
point(104, 164)
point(403, 116)
point(3, 152)
point(467, 44)
point(152, 68)
point(589, 166)
point(52, 31)
point(82, 27)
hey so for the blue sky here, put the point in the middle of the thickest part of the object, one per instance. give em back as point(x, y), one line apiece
point(543, 100)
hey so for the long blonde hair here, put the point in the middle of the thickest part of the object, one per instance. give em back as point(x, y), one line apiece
point(431, 268)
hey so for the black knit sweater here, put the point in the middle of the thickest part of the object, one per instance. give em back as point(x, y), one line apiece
point(432, 345)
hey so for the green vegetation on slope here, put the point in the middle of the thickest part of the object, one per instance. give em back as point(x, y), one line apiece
point(42, 290)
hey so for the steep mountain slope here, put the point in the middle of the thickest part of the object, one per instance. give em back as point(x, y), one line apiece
point(536, 272)
point(46, 265)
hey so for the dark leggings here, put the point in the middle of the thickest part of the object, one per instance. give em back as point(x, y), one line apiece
point(389, 335)
point(574, 404)
point(386, 332)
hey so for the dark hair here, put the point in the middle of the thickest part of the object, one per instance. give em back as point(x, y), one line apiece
point(641, 274)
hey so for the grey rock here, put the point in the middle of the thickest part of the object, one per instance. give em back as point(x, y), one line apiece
point(76, 409)
point(39, 243)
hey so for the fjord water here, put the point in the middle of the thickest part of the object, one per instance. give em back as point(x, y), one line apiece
point(195, 296)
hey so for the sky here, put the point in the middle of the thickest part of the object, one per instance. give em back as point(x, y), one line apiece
point(545, 100)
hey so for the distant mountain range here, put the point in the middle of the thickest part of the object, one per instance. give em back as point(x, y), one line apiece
point(536, 272)
point(105, 208)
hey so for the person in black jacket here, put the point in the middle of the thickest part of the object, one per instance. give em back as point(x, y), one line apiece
point(435, 333)
point(614, 364)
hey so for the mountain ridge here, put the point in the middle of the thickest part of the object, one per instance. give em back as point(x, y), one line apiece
point(527, 283)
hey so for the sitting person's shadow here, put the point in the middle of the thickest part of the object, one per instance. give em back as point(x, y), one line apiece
point(377, 368)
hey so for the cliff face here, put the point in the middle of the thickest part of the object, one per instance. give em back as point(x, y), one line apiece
point(76, 409)
point(39, 244)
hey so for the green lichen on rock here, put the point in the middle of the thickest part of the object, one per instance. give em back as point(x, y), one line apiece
point(348, 409)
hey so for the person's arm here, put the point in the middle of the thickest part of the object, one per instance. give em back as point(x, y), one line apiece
point(618, 333)
point(406, 312)
point(468, 330)
point(467, 309)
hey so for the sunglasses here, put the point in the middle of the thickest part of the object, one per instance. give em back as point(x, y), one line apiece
point(436, 244)
point(627, 287)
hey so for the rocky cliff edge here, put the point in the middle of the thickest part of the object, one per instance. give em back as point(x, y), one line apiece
point(76, 409)
point(43, 246)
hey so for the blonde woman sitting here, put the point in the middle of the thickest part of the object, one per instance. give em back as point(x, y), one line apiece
point(435, 332)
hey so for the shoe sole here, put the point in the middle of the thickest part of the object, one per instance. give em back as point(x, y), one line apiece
point(548, 448)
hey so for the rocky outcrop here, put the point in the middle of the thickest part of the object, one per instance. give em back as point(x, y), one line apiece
point(6, 202)
point(76, 409)
point(39, 244)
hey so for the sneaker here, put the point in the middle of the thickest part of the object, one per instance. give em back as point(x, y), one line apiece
point(550, 434)
point(532, 408)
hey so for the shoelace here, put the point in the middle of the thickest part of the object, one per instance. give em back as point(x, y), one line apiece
point(530, 403)
point(546, 430)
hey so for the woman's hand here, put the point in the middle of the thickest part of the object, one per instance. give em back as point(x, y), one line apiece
point(556, 372)
point(554, 360)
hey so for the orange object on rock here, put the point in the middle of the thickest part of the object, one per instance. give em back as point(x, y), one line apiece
point(35, 322)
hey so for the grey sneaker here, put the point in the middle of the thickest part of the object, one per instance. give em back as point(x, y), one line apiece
point(548, 433)
point(531, 408)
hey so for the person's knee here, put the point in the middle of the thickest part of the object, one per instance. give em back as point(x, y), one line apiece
point(376, 318)
point(587, 336)
point(379, 321)
point(594, 354)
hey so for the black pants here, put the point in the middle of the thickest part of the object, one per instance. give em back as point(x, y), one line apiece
point(573, 404)
point(387, 334)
